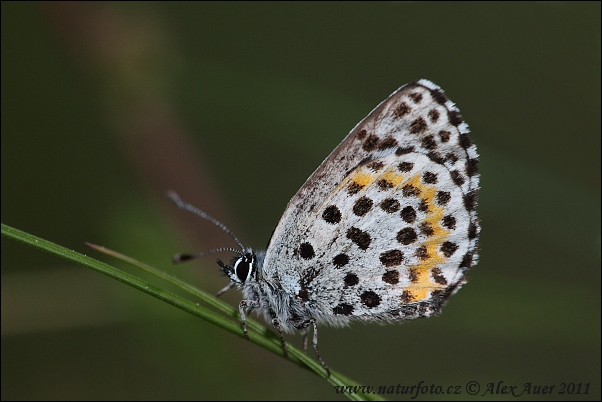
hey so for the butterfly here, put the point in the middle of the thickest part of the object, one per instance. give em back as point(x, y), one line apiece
point(383, 231)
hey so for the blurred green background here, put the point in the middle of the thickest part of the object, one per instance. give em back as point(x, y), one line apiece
point(106, 106)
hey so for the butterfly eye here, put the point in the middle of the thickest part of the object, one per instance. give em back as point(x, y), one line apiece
point(243, 268)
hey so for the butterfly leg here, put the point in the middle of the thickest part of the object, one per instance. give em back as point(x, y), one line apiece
point(312, 322)
point(225, 289)
point(305, 335)
point(276, 325)
point(241, 308)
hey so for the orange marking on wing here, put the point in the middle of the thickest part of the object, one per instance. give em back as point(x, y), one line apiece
point(424, 284)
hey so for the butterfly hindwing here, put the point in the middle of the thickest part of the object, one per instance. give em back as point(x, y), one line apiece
point(386, 226)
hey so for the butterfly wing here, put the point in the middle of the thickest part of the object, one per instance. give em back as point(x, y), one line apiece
point(386, 226)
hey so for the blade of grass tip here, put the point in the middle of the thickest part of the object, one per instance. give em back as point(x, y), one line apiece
point(222, 306)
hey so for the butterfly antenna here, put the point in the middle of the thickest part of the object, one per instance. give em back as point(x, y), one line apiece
point(187, 257)
point(182, 205)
